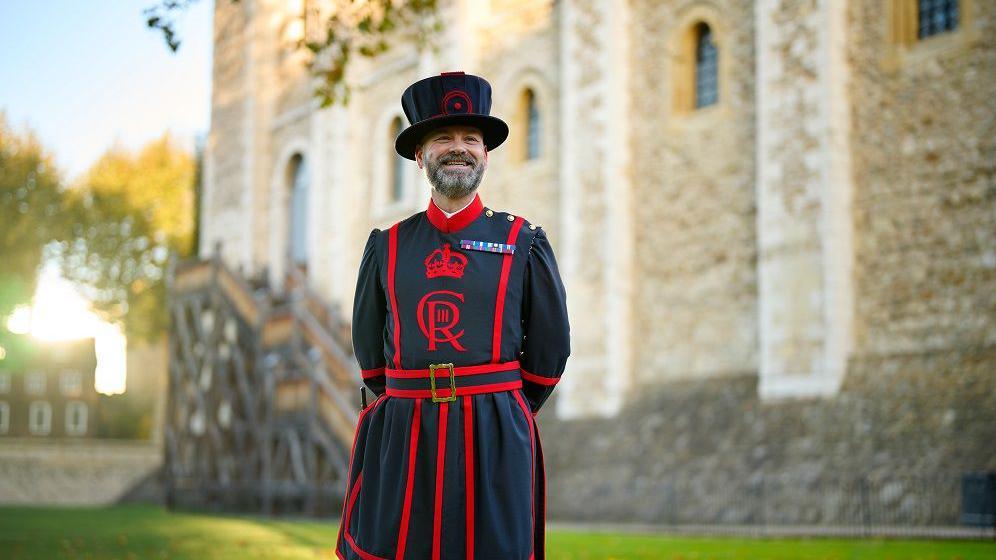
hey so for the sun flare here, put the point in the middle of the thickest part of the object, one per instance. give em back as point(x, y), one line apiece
point(59, 312)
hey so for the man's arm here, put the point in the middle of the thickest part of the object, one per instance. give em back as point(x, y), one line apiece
point(369, 316)
point(547, 333)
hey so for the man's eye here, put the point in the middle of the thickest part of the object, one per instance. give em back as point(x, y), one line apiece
point(472, 139)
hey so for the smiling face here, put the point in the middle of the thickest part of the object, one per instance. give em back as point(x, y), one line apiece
point(454, 158)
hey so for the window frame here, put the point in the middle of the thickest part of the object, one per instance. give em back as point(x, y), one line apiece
point(74, 430)
point(46, 427)
point(905, 51)
point(4, 417)
point(73, 388)
point(384, 161)
point(681, 68)
point(35, 383)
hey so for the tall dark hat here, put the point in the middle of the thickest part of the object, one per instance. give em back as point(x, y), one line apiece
point(447, 99)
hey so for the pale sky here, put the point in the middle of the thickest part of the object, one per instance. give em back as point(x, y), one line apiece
point(86, 73)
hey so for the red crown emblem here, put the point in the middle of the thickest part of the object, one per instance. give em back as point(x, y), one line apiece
point(445, 262)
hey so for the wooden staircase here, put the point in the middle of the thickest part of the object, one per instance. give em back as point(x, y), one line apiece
point(263, 394)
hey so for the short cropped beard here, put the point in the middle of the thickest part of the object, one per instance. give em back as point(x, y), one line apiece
point(454, 185)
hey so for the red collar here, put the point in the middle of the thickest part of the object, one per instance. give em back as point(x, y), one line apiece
point(457, 221)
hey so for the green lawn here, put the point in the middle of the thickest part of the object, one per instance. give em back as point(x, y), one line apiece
point(147, 532)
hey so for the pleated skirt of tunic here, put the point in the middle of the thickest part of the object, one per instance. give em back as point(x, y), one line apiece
point(445, 481)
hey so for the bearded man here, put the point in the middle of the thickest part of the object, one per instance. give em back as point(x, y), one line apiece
point(460, 328)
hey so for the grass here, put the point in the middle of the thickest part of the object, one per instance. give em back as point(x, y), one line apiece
point(149, 532)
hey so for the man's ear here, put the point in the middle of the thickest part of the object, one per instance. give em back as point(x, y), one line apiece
point(418, 155)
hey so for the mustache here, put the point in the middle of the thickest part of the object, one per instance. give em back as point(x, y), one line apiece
point(457, 159)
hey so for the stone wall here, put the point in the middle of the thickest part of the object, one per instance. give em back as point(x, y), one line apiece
point(228, 141)
point(76, 472)
point(924, 157)
point(894, 442)
point(693, 176)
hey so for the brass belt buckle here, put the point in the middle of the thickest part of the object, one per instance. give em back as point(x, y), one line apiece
point(432, 382)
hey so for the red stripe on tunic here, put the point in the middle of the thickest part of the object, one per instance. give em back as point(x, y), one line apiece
point(437, 521)
point(349, 538)
point(460, 391)
point(410, 482)
point(468, 445)
point(539, 379)
point(347, 505)
point(506, 267)
point(392, 258)
point(368, 373)
point(532, 468)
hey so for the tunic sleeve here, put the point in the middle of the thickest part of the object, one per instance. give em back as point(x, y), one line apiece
point(369, 318)
point(546, 331)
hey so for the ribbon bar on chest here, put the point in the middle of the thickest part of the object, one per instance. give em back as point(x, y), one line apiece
point(487, 246)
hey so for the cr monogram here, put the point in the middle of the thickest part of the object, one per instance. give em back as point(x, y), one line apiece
point(438, 314)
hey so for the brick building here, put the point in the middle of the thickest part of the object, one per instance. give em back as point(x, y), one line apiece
point(50, 393)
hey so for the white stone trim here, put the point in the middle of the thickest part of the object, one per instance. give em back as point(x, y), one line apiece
point(278, 207)
point(381, 164)
point(45, 426)
point(80, 428)
point(247, 223)
point(805, 279)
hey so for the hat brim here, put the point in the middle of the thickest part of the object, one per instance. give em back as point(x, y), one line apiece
point(495, 131)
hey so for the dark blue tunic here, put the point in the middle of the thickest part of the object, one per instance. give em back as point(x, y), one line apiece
point(460, 476)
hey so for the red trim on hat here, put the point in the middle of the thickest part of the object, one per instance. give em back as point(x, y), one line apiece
point(457, 221)
point(506, 266)
point(457, 73)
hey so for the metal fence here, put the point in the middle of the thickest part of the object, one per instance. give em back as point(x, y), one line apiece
point(861, 505)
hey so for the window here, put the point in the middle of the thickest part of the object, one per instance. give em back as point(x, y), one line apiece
point(529, 119)
point(298, 218)
point(4, 382)
point(526, 130)
point(39, 418)
point(71, 382)
point(706, 69)
point(4, 417)
point(397, 163)
point(936, 16)
point(76, 418)
point(922, 28)
point(698, 66)
point(34, 383)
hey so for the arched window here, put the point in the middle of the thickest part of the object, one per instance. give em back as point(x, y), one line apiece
point(397, 163)
point(706, 67)
point(297, 174)
point(526, 130)
point(532, 121)
point(936, 16)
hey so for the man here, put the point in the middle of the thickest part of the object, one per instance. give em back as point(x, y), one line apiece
point(460, 329)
